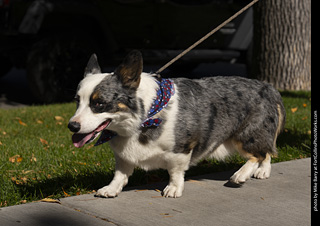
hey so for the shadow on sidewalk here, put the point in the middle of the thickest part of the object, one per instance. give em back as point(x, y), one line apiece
point(69, 184)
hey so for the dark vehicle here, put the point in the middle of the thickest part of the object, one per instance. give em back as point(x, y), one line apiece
point(53, 39)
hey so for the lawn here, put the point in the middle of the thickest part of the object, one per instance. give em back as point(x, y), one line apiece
point(38, 160)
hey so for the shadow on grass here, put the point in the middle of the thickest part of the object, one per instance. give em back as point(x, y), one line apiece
point(295, 139)
point(64, 185)
point(296, 94)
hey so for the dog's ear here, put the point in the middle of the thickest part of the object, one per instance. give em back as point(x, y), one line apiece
point(129, 71)
point(92, 66)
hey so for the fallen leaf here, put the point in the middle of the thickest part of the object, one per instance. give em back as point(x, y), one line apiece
point(23, 201)
point(177, 210)
point(24, 179)
point(193, 181)
point(27, 171)
point(16, 180)
point(50, 200)
point(65, 193)
point(304, 105)
point(33, 159)
point(14, 158)
point(39, 122)
point(19, 159)
point(78, 193)
point(22, 123)
point(3, 204)
point(43, 141)
point(141, 190)
point(304, 118)
point(293, 110)
point(58, 118)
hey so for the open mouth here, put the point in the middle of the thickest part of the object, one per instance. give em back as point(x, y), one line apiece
point(80, 139)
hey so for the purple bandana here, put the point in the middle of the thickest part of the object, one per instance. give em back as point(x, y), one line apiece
point(164, 93)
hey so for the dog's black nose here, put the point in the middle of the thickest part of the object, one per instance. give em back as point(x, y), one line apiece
point(74, 126)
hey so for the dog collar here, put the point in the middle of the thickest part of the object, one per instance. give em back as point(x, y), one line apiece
point(164, 93)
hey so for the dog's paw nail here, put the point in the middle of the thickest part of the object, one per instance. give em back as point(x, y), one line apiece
point(172, 191)
point(262, 173)
point(106, 192)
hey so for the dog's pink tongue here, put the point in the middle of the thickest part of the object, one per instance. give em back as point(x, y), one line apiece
point(81, 139)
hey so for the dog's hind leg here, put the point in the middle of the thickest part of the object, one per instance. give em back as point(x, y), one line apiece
point(246, 171)
point(257, 166)
point(264, 169)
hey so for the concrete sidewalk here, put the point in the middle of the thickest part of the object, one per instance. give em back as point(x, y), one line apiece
point(284, 199)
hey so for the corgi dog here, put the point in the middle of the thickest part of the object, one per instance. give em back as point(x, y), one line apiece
point(151, 122)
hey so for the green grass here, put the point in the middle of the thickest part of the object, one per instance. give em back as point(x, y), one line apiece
point(38, 160)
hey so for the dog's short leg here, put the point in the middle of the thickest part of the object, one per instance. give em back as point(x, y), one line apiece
point(176, 185)
point(246, 171)
point(264, 170)
point(122, 173)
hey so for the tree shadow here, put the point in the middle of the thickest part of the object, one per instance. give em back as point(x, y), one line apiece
point(296, 94)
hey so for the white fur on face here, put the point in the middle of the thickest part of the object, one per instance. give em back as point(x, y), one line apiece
point(122, 123)
point(88, 120)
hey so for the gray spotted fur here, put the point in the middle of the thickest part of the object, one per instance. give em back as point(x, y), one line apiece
point(222, 108)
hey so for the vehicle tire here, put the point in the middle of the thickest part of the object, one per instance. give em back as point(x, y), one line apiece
point(55, 65)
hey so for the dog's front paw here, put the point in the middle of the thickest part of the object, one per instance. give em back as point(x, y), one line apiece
point(172, 191)
point(108, 192)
